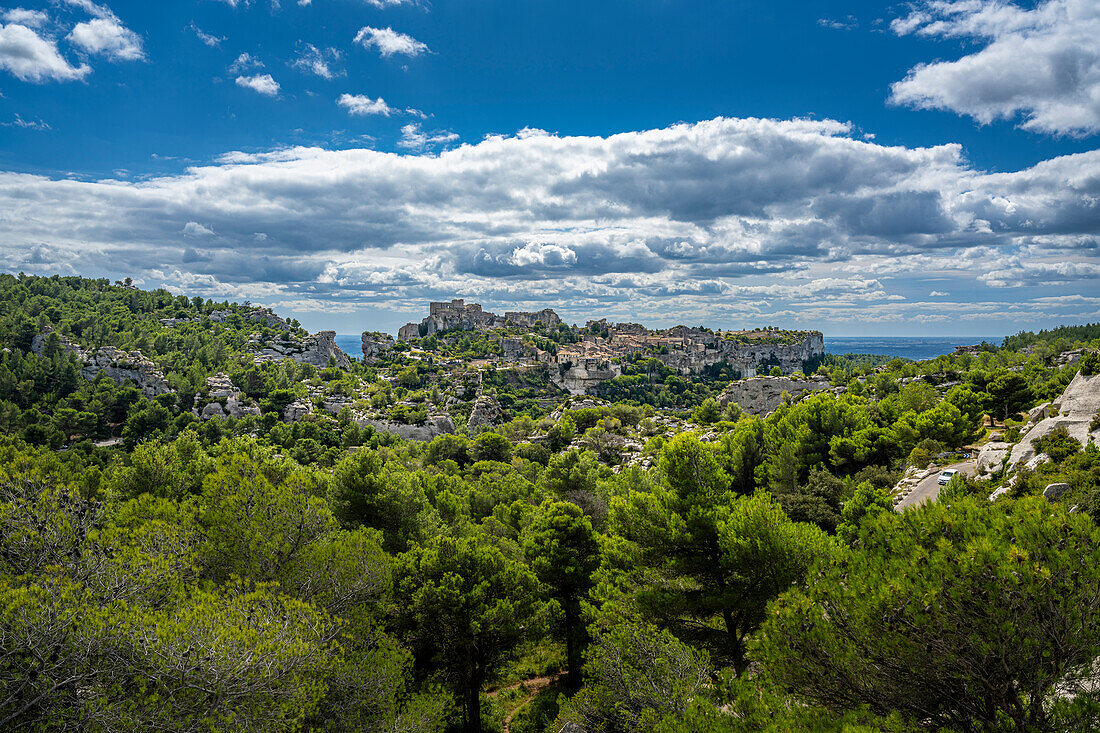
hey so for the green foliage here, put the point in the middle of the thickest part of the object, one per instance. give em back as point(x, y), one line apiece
point(702, 562)
point(866, 504)
point(491, 447)
point(465, 607)
point(636, 676)
point(561, 434)
point(707, 412)
point(1089, 363)
point(562, 549)
point(1058, 444)
point(239, 574)
point(965, 616)
point(1085, 332)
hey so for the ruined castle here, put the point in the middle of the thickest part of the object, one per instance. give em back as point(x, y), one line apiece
point(458, 314)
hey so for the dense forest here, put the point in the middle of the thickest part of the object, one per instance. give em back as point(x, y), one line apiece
point(651, 558)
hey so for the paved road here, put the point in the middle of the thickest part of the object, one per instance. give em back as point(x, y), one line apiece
point(929, 488)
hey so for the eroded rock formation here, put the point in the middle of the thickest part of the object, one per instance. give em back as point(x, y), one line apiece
point(1074, 411)
point(762, 395)
point(113, 363)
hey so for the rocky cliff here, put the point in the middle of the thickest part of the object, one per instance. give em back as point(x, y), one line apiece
point(113, 363)
point(436, 425)
point(225, 400)
point(374, 344)
point(485, 414)
point(748, 357)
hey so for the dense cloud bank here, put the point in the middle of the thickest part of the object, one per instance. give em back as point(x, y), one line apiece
point(688, 218)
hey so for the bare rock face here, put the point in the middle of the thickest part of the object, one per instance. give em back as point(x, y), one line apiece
point(763, 395)
point(269, 319)
point(374, 344)
point(436, 425)
point(513, 348)
point(585, 377)
point(296, 410)
point(1074, 410)
point(484, 416)
point(458, 314)
point(319, 348)
point(1054, 491)
point(316, 350)
point(992, 455)
point(219, 387)
point(113, 363)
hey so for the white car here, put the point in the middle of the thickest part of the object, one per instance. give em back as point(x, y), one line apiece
point(947, 475)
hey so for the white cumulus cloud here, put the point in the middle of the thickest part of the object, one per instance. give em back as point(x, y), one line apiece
point(108, 37)
point(1040, 65)
point(28, 18)
point(31, 57)
point(260, 83)
point(361, 105)
point(389, 42)
point(725, 221)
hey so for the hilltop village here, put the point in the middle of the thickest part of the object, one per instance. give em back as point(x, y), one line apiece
point(588, 356)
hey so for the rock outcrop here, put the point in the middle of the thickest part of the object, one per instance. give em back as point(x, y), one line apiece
point(220, 387)
point(436, 425)
point(113, 363)
point(319, 348)
point(316, 350)
point(763, 395)
point(585, 376)
point(296, 410)
point(374, 344)
point(992, 455)
point(1053, 492)
point(1074, 410)
point(460, 315)
point(484, 416)
point(512, 348)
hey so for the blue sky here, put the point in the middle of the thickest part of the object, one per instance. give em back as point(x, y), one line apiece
point(912, 169)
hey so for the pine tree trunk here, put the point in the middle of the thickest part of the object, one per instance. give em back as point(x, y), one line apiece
point(473, 708)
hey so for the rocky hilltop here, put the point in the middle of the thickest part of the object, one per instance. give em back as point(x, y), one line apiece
point(596, 352)
point(458, 314)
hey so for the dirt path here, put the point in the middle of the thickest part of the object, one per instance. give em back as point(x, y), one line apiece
point(532, 687)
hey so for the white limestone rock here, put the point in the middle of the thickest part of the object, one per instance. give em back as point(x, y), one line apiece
point(992, 455)
point(113, 363)
point(484, 416)
point(761, 396)
point(1053, 492)
point(1074, 410)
